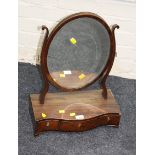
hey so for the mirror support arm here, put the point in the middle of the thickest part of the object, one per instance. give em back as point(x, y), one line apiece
point(43, 57)
point(110, 63)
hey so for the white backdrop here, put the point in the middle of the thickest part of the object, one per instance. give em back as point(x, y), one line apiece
point(34, 13)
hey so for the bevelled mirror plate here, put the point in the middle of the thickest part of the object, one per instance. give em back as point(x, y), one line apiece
point(78, 52)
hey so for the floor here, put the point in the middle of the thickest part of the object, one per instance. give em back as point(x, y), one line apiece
point(100, 141)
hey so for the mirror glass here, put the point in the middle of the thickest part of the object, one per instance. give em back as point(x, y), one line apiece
point(78, 53)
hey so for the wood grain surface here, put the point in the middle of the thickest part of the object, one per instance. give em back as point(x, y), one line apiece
point(88, 103)
point(75, 111)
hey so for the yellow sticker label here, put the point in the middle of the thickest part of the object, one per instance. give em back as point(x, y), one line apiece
point(61, 111)
point(82, 76)
point(43, 115)
point(73, 41)
point(72, 114)
point(62, 75)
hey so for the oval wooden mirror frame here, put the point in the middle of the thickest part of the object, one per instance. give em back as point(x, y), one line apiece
point(47, 41)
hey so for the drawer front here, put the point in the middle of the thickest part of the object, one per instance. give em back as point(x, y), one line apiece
point(113, 119)
point(83, 125)
point(78, 125)
point(46, 125)
point(72, 125)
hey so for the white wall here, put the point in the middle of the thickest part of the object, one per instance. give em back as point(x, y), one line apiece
point(34, 13)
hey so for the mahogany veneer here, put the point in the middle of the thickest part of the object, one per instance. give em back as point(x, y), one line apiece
point(97, 111)
point(93, 107)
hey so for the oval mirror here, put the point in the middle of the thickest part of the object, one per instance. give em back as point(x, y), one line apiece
point(78, 52)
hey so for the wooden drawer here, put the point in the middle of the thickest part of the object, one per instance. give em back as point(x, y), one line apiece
point(45, 125)
point(72, 125)
point(113, 119)
point(83, 125)
point(77, 125)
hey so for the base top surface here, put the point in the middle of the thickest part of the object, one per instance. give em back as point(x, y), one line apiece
point(74, 105)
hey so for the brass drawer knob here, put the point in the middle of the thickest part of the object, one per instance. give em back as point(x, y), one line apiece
point(79, 125)
point(47, 124)
point(108, 118)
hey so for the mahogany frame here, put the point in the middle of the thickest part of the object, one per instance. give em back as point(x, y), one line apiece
point(46, 43)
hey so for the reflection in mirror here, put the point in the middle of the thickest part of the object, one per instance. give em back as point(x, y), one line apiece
point(78, 53)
